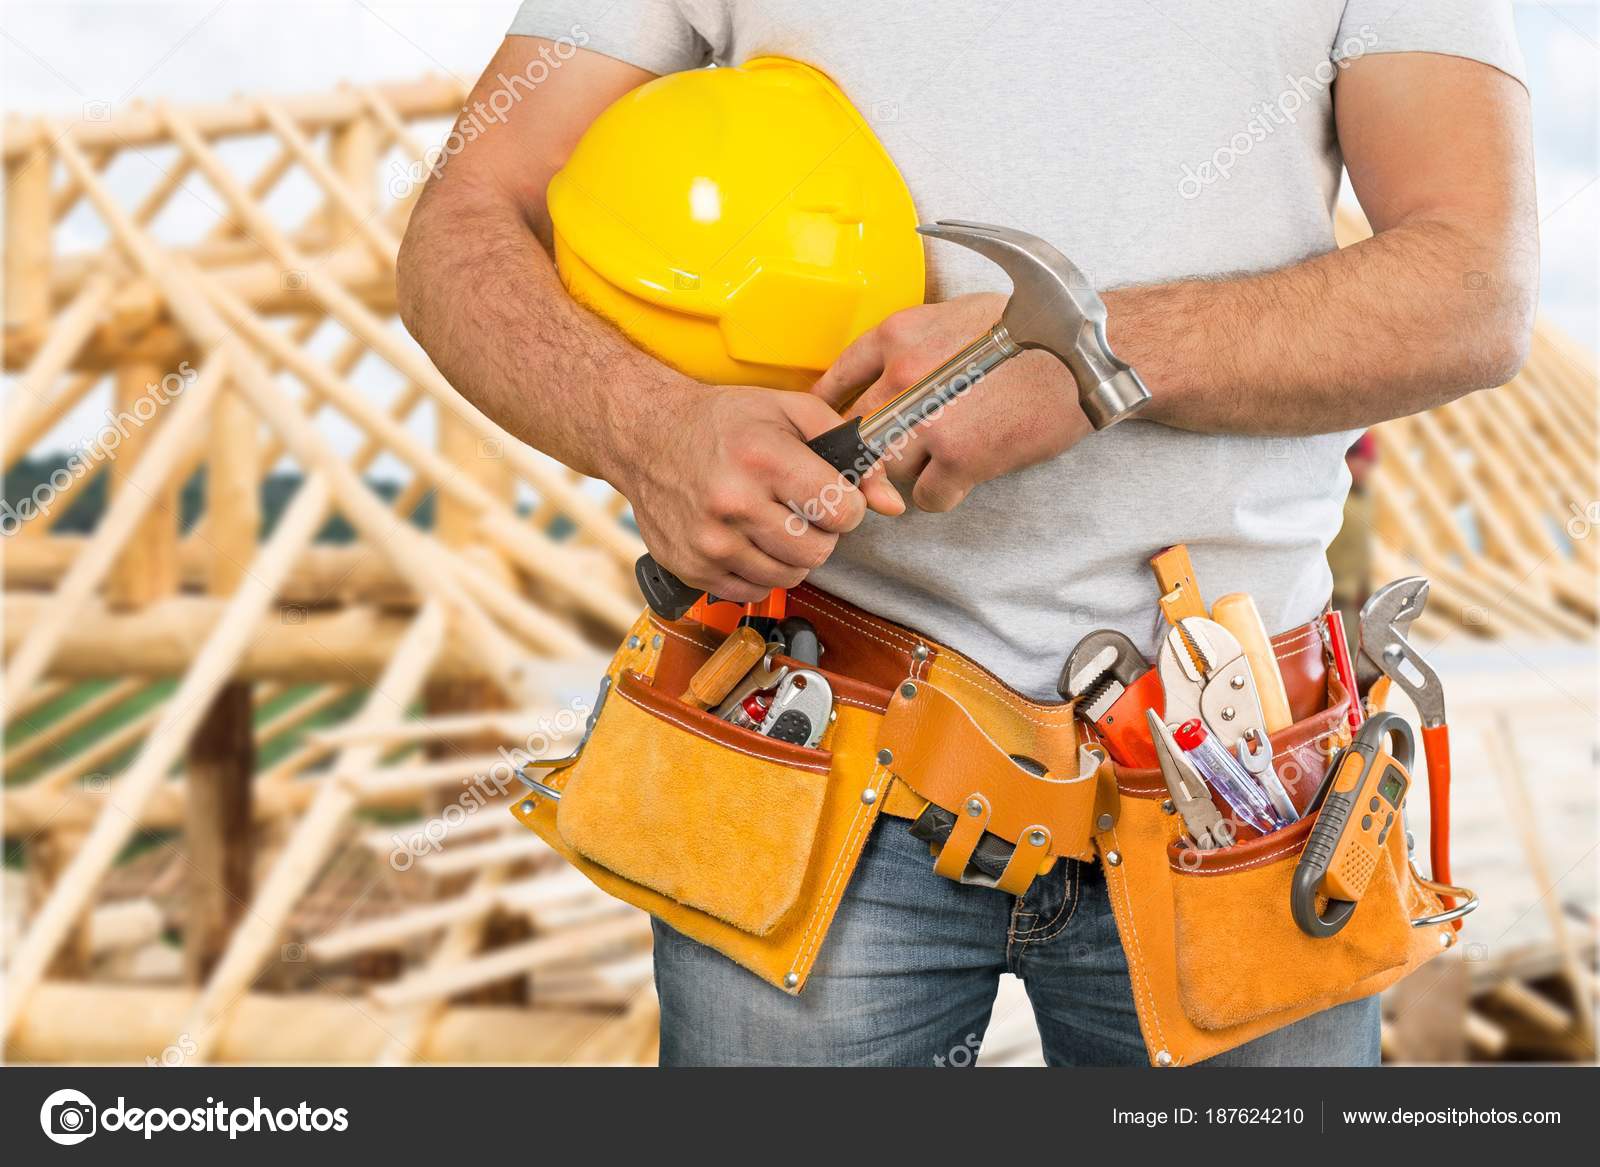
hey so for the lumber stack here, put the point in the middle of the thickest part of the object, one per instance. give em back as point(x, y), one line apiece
point(229, 728)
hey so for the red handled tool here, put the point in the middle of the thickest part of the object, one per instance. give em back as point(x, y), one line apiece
point(1385, 652)
point(1113, 686)
point(1333, 622)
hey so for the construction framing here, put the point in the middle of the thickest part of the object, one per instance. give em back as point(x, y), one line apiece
point(434, 644)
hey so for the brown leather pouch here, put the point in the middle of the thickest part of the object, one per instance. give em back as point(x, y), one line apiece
point(718, 818)
point(1213, 952)
point(747, 845)
point(737, 840)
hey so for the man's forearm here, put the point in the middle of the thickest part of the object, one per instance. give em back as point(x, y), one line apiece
point(1398, 323)
point(482, 297)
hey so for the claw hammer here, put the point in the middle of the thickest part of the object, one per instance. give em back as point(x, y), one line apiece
point(1052, 307)
point(1386, 653)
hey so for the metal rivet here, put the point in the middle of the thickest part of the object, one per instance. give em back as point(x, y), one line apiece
point(1163, 1058)
point(1229, 713)
point(1167, 807)
point(869, 796)
point(919, 653)
point(1446, 938)
point(974, 807)
point(655, 642)
point(1036, 838)
point(885, 757)
point(791, 980)
point(1114, 858)
point(527, 807)
point(908, 690)
point(1103, 823)
point(633, 642)
point(1237, 682)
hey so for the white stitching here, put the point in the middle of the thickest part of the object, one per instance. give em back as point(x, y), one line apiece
point(868, 705)
point(845, 617)
point(677, 635)
point(802, 957)
point(1253, 861)
point(815, 767)
point(1136, 956)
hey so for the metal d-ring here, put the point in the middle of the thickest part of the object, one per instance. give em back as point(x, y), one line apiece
point(1465, 908)
point(561, 763)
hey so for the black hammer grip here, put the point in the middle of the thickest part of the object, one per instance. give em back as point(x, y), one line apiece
point(841, 447)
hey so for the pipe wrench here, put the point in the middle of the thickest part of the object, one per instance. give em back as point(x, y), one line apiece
point(1113, 686)
point(1205, 674)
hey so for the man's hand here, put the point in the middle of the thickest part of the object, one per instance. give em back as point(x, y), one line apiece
point(732, 500)
point(1023, 413)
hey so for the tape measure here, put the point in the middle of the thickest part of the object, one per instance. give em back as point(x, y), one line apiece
point(1357, 807)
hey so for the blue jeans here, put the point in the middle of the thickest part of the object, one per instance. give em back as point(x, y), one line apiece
point(908, 975)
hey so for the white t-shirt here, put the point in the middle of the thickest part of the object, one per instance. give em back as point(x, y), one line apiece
point(1150, 142)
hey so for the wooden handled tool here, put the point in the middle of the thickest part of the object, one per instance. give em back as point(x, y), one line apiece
point(1180, 595)
point(1237, 612)
point(734, 657)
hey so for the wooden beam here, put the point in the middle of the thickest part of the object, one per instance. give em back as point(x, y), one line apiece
point(142, 125)
point(129, 793)
point(349, 645)
point(29, 215)
point(147, 569)
point(219, 839)
point(328, 574)
point(121, 521)
point(101, 1023)
point(313, 837)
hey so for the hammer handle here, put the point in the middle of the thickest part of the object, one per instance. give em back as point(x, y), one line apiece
point(854, 447)
point(841, 447)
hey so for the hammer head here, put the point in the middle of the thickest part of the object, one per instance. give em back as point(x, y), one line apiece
point(1054, 308)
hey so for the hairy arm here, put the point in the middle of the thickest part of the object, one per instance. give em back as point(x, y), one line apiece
point(1437, 303)
point(708, 469)
point(479, 292)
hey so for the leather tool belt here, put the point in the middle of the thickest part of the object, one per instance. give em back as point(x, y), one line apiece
point(746, 843)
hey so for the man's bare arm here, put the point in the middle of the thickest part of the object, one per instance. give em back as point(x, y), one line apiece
point(708, 470)
point(1437, 303)
point(479, 292)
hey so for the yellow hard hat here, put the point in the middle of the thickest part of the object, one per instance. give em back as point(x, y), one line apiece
point(741, 224)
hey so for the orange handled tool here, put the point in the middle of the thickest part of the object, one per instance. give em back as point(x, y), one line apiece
point(1385, 652)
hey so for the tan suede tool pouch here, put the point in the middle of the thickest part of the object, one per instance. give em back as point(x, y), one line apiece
point(747, 844)
point(1214, 954)
point(737, 840)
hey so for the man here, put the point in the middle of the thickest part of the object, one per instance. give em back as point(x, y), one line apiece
point(1186, 155)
